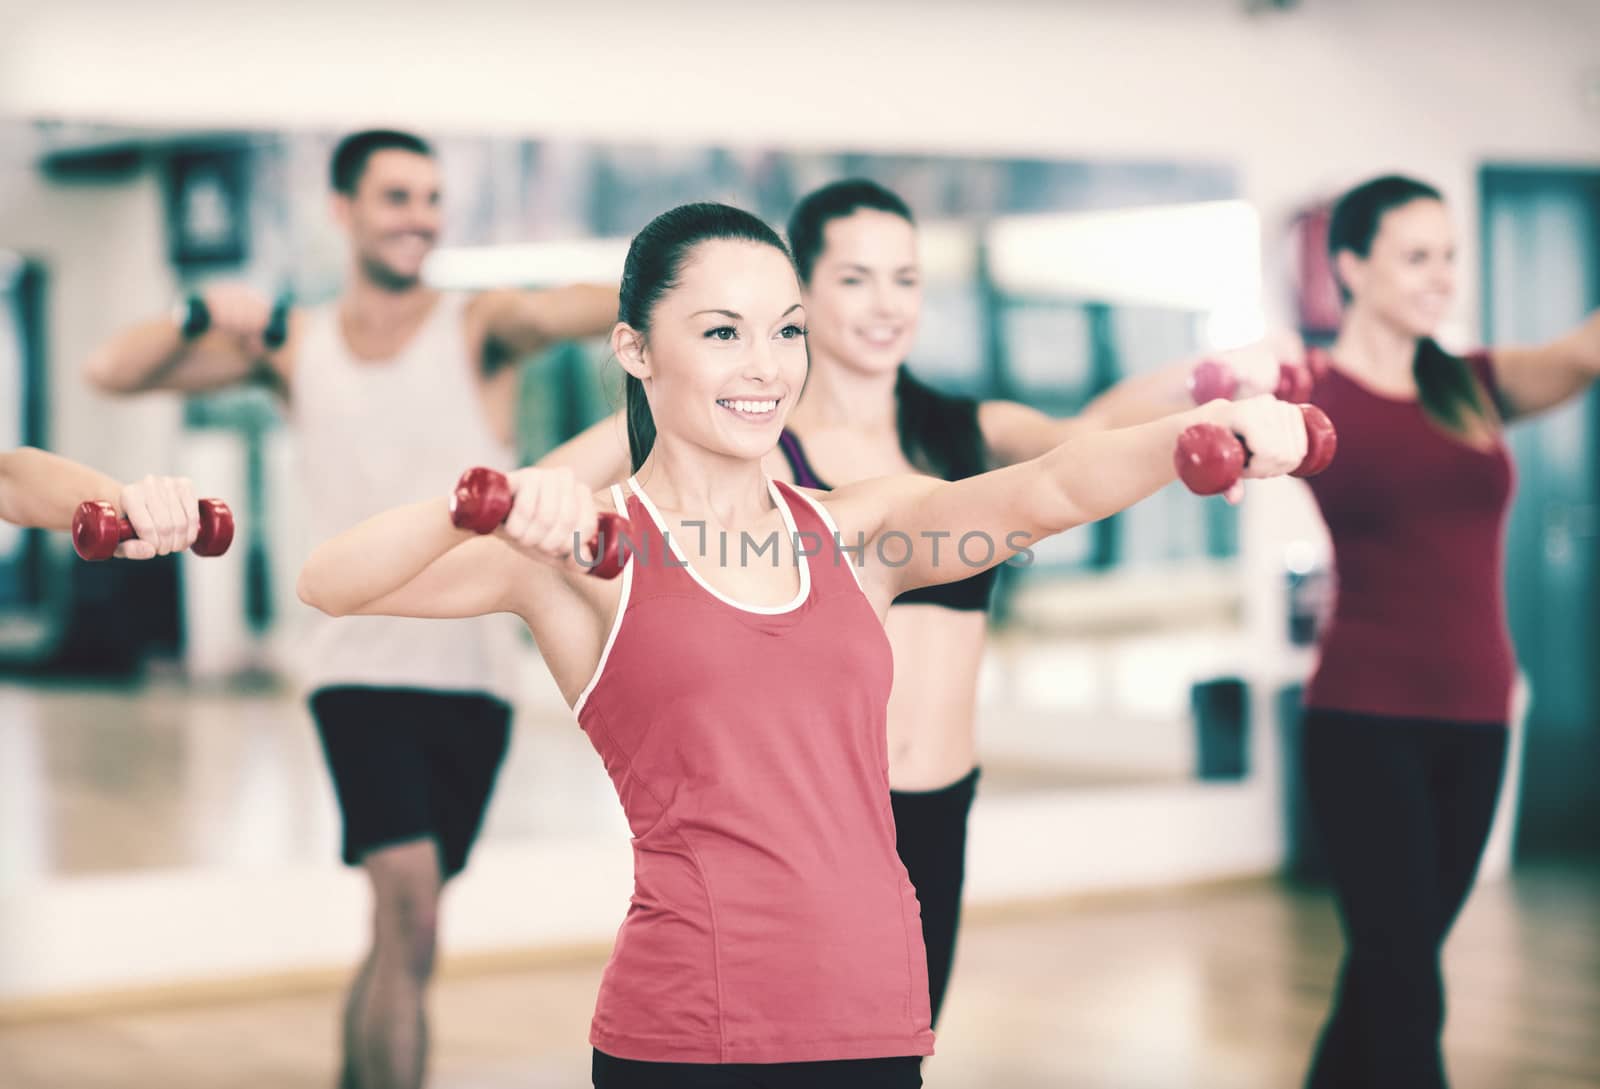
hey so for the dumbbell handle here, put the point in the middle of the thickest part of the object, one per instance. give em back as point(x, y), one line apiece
point(482, 499)
point(1210, 458)
point(97, 529)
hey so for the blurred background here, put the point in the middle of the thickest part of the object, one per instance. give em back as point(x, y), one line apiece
point(1101, 188)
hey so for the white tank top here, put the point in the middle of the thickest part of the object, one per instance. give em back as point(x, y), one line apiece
point(379, 434)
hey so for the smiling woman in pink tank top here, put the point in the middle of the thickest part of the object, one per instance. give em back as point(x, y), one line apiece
point(735, 678)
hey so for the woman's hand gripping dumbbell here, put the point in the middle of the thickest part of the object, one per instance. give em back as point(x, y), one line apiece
point(1212, 457)
point(486, 500)
point(160, 516)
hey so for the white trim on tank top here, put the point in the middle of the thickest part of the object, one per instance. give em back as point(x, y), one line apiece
point(760, 610)
point(616, 623)
point(827, 520)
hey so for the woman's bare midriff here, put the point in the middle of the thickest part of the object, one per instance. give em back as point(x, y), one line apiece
point(933, 707)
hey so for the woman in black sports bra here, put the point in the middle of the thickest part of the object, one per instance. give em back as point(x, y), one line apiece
point(864, 415)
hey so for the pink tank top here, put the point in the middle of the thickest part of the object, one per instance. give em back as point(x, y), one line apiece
point(771, 920)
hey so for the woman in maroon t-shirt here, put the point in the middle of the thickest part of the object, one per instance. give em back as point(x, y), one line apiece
point(1406, 715)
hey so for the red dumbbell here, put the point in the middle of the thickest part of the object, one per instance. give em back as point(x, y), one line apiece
point(1212, 378)
point(97, 529)
point(482, 500)
point(1210, 458)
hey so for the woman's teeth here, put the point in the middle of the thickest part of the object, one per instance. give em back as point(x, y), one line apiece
point(752, 408)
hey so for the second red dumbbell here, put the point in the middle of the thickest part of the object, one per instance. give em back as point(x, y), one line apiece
point(1211, 458)
point(482, 499)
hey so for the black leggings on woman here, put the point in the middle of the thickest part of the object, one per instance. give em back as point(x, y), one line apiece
point(931, 836)
point(1402, 808)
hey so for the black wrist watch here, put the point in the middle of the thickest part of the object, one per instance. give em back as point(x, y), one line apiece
point(193, 317)
point(277, 330)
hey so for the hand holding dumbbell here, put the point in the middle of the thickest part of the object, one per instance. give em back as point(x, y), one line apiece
point(240, 310)
point(1211, 458)
point(484, 499)
point(98, 530)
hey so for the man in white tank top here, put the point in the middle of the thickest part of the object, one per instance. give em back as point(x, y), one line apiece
point(392, 389)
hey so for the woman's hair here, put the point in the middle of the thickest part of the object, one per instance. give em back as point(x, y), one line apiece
point(654, 266)
point(837, 201)
point(1448, 390)
point(939, 432)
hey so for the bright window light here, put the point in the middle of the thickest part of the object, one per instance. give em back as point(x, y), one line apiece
point(1204, 256)
point(529, 264)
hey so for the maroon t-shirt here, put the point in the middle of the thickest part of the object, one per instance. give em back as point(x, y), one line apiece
point(1418, 526)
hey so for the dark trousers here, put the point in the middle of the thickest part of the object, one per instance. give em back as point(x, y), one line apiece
point(1402, 808)
point(931, 836)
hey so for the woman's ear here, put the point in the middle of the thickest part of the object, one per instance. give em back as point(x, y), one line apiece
point(1350, 271)
point(627, 344)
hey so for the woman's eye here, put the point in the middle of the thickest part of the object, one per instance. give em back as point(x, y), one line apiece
point(791, 332)
point(723, 332)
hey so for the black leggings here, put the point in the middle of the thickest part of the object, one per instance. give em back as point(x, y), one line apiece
point(896, 1073)
point(931, 836)
point(1402, 808)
